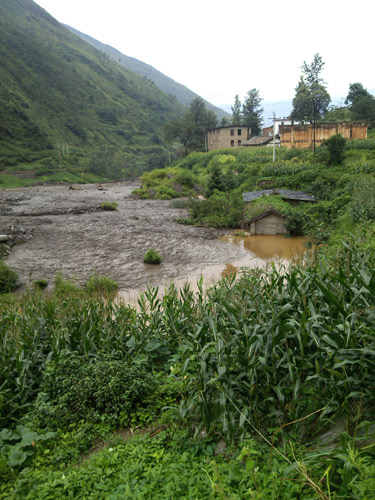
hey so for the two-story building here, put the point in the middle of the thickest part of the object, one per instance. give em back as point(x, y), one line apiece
point(231, 136)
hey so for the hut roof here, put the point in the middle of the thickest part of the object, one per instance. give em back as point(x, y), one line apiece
point(258, 140)
point(284, 193)
point(269, 210)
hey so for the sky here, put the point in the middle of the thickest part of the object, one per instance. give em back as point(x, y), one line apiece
point(222, 48)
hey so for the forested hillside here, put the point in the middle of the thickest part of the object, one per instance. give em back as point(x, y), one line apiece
point(62, 101)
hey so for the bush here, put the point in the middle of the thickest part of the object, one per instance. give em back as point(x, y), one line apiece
point(8, 278)
point(65, 287)
point(336, 149)
point(101, 284)
point(152, 257)
point(99, 390)
point(108, 205)
point(40, 283)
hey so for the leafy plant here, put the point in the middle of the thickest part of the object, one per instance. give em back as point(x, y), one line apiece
point(152, 257)
point(109, 205)
point(8, 278)
point(18, 445)
point(41, 283)
point(101, 284)
point(98, 390)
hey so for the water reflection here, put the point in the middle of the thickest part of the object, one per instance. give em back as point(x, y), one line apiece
point(269, 246)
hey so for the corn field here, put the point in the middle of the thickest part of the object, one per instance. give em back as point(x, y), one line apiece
point(269, 347)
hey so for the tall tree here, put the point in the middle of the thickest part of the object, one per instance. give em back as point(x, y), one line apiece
point(362, 103)
point(252, 112)
point(236, 111)
point(311, 99)
point(192, 127)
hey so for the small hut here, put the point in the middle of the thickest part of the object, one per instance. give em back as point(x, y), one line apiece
point(269, 221)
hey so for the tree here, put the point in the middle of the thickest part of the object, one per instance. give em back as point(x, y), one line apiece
point(252, 112)
point(362, 103)
point(336, 149)
point(312, 99)
point(192, 127)
point(236, 111)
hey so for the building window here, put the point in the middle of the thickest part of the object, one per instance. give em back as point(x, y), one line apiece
point(239, 131)
point(232, 144)
point(232, 131)
point(239, 142)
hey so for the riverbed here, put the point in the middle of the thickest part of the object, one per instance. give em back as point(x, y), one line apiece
point(61, 228)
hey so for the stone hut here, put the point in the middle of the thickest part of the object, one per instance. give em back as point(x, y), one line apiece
point(268, 222)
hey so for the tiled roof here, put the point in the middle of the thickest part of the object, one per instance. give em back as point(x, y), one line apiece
point(258, 140)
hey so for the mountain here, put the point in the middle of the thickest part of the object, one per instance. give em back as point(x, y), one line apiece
point(166, 84)
point(56, 89)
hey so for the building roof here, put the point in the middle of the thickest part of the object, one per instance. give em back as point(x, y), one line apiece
point(258, 140)
point(228, 126)
point(268, 211)
point(284, 193)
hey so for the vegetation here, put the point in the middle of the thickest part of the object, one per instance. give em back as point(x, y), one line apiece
point(66, 106)
point(166, 84)
point(361, 103)
point(249, 113)
point(191, 129)
point(109, 206)
point(152, 257)
point(102, 285)
point(41, 283)
point(333, 176)
point(8, 278)
point(312, 99)
point(228, 364)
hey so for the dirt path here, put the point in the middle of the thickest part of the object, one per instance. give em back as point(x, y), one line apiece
point(63, 230)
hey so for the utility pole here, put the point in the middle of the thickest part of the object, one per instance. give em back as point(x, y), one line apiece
point(274, 137)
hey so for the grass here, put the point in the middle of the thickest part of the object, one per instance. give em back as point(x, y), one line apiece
point(152, 257)
point(109, 206)
point(8, 278)
point(103, 285)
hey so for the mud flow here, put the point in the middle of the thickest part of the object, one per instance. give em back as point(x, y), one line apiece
point(62, 229)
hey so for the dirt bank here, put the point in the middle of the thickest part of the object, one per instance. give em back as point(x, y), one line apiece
point(61, 229)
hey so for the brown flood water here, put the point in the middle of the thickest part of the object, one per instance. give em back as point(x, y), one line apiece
point(269, 246)
point(261, 250)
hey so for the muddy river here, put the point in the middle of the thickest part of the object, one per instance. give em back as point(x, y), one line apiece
point(61, 229)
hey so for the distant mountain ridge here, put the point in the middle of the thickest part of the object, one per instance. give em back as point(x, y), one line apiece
point(165, 83)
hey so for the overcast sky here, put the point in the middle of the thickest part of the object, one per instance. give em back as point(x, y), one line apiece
point(221, 48)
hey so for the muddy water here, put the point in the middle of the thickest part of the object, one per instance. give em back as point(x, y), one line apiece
point(61, 230)
point(260, 251)
point(266, 246)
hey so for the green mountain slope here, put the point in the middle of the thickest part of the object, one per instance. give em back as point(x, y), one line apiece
point(166, 84)
point(57, 89)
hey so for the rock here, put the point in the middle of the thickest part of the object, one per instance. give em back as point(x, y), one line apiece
point(4, 238)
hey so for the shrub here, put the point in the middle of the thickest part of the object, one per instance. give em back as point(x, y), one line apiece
point(65, 287)
point(336, 148)
point(152, 257)
point(108, 205)
point(8, 278)
point(106, 390)
point(101, 284)
point(40, 283)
